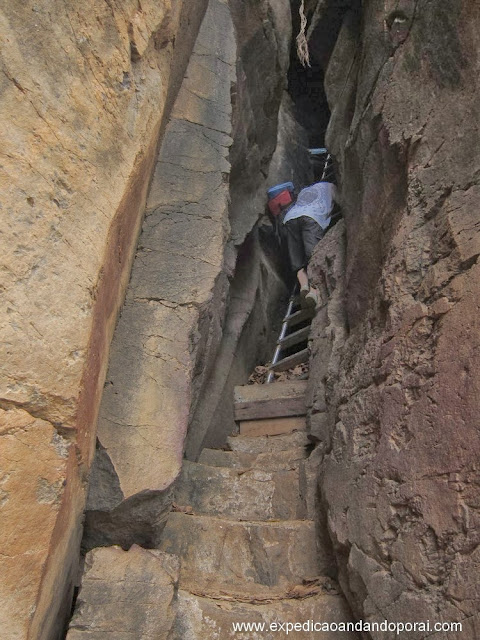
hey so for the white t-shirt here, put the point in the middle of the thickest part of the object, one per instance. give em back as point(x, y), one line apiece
point(315, 201)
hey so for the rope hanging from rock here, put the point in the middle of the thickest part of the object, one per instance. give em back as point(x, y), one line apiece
point(302, 44)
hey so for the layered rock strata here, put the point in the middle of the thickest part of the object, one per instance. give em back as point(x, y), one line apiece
point(395, 404)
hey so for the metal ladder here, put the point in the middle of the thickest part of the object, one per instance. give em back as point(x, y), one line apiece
point(291, 338)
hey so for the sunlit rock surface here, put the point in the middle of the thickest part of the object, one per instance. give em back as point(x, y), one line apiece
point(84, 88)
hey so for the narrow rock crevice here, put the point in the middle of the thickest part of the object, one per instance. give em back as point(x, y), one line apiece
point(377, 488)
point(247, 279)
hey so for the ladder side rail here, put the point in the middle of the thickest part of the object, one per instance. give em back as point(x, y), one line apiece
point(283, 332)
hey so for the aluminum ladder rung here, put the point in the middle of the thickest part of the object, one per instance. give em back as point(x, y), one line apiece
point(294, 338)
point(299, 316)
point(290, 361)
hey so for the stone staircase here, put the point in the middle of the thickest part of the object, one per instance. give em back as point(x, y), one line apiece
point(244, 531)
point(243, 544)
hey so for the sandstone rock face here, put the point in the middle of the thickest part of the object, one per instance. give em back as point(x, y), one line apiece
point(84, 90)
point(30, 501)
point(194, 300)
point(256, 296)
point(329, 332)
point(291, 161)
point(78, 133)
point(396, 393)
point(168, 320)
point(86, 98)
point(262, 125)
point(127, 595)
point(263, 33)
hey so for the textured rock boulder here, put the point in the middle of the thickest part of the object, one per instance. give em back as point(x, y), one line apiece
point(126, 595)
point(84, 98)
point(399, 395)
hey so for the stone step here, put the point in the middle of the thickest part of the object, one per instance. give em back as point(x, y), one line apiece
point(272, 426)
point(268, 444)
point(275, 461)
point(241, 558)
point(200, 618)
point(251, 494)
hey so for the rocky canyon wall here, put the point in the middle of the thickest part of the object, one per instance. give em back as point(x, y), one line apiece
point(204, 285)
point(395, 383)
point(125, 126)
point(119, 114)
point(84, 91)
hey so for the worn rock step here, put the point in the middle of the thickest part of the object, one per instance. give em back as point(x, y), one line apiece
point(268, 444)
point(277, 460)
point(200, 618)
point(245, 495)
point(251, 558)
point(272, 426)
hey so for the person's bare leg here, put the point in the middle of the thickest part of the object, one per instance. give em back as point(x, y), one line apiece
point(303, 281)
point(310, 294)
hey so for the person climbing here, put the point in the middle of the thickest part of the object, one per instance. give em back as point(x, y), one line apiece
point(306, 222)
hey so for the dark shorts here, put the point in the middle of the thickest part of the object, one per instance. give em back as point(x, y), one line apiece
point(303, 234)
